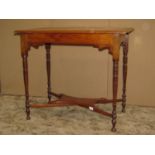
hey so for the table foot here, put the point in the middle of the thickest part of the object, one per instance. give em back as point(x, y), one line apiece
point(123, 104)
point(28, 117)
point(113, 121)
point(123, 109)
point(113, 129)
point(28, 112)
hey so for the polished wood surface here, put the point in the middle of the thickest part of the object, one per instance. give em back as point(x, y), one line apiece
point(125, 61)
point(25, 73)
point(101, 38)
point(115, 87)
point(97, 37)
point(48, 68)
point(76, 30)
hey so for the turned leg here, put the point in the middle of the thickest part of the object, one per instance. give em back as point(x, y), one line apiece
point(48, 67)
point(115, 86)
point(125, 60)
point(25, 73)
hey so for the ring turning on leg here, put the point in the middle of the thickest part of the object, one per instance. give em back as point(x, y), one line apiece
point(115, 86)
point(125, 60)
point(48, 68)
point(25, 74)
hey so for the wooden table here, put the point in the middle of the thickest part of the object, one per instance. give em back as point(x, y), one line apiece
point(100, 38)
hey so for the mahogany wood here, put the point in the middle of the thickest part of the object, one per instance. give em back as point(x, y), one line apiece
point(48, 67)
point(61, 102)
point(25, 73)
point(115, 86)
point(85, 100)
point(76, 30)
point(100, 38)
point(125, 60)
point(96, 109)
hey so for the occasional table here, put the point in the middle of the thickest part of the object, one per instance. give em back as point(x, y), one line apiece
point(101, 38)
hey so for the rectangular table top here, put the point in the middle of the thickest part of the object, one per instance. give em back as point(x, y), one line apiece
point(99, 37)
point(83, 30)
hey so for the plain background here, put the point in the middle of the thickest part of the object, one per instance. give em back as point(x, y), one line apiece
point(80, 71)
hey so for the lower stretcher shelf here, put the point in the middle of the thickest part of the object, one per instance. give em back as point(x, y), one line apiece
point(64, 100)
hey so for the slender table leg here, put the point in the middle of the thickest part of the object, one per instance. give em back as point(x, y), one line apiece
point(125, 60)
point(48, 66)
point(115, 86)
point(25, 73)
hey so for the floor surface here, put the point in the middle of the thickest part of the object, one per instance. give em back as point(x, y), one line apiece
point(72, 120)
